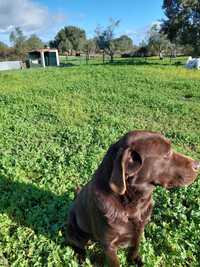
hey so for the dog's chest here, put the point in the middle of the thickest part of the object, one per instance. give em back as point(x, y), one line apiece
point(137, 205)
point(132, 225)
point(124, 233)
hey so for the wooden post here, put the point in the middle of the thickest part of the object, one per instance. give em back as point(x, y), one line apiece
point(57, 58)
point(42, 59)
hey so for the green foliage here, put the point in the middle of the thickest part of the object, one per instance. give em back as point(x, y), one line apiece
point(123, 43)
point(4, 50)
point(34, 42)
point(182, 23)
point(65, 45)
point(3, 46)
point(22, 44)
point(17, 38)
point(68, 38)
point(157, 41)
point(90, 46)
point(55, 126)
point(105, 38)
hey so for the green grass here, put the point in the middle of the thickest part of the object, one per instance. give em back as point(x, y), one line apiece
point(55, 126)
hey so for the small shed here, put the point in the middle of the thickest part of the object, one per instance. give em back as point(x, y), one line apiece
point(43, 58)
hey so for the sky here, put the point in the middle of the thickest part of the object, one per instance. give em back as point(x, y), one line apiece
point(46, 17)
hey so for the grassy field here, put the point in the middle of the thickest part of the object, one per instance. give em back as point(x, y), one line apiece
point(55, 126)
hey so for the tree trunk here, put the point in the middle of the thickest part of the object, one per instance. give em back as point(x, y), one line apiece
point(87, 57)
point(161, 55)
point(103, 57)
point(196, 52)
point(111, 57)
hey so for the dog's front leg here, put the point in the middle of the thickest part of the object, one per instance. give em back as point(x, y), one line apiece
point(133, 255)
point(111, 254)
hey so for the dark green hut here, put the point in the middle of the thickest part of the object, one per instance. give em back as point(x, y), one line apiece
point(43, 58)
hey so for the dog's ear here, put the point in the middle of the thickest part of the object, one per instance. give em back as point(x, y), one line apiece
point(127, 163)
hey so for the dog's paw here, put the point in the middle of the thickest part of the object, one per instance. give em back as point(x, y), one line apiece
point(138, 261)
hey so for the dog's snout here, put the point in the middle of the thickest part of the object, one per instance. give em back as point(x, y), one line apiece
point(196, 165)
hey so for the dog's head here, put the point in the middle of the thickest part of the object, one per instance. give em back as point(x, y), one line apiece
point(146, 158)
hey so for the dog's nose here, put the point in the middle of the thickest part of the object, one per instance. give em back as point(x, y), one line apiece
point(196, 165)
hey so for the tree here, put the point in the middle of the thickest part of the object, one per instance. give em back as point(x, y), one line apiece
point(123, 44)
point(61, 41)
point(76, 36)
point(6, 52)
point(34, 42)
point(65, 45)
point(68, 38)
point(105, 39)
point(3, 50)
point(158, 41)
point(89, 47)
point(3, 46)
point(17, 38)
point(52, 44)
point(183, 22)
point(143, 50)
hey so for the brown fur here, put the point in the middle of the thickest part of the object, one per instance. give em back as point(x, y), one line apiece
point(114, 207)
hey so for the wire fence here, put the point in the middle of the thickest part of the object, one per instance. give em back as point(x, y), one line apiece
point(83, 60)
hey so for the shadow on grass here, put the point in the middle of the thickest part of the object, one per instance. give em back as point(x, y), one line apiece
point(136, 62)
point(29, 206)
point(64, 65)
point(42, 211)
point(147, 62)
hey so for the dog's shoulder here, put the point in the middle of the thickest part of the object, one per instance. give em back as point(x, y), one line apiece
point(110, 207)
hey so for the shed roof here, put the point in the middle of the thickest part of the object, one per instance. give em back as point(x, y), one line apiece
point(44, 50)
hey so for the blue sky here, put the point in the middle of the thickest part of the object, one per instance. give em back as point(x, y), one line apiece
point(45, 17)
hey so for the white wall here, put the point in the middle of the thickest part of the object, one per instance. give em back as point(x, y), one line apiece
point(10, 65)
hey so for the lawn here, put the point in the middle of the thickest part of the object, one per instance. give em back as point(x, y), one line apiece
point(55, 126)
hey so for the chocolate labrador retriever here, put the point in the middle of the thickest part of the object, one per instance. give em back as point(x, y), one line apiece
point(114, 207)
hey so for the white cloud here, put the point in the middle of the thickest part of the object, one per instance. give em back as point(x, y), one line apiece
point(29, 15)
point(140, 34)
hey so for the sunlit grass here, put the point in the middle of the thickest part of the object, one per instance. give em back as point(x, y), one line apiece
point(55, 126)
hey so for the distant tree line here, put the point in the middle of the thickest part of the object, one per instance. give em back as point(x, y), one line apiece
point(182, 23)
point(20, 45)
point(178, 34)
point(72, 41)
